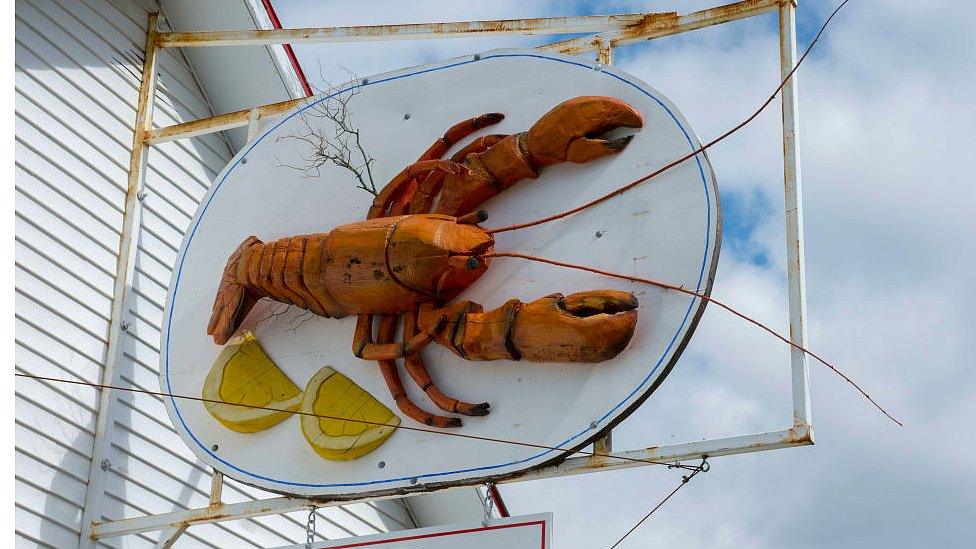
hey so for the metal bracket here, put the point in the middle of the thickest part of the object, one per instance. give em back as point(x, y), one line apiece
point(169, 536)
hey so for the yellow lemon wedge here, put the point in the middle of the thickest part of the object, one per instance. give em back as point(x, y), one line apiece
point(332, 394)
point(244, 374)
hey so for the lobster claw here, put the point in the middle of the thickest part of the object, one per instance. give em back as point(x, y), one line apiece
point(571, 130)
point(590, 326)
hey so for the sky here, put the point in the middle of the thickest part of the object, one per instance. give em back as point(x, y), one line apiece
point(887, 123)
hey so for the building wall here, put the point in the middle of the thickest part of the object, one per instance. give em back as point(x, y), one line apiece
point(78, 64)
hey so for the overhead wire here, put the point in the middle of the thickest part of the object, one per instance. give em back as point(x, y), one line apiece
point(673, 287)
point(684, 480)
point(674, 163)
point(355, 420)
point(684, 158)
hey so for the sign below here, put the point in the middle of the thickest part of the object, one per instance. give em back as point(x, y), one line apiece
point(524, 532)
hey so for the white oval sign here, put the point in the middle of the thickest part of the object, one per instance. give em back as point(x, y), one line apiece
point(667, 229)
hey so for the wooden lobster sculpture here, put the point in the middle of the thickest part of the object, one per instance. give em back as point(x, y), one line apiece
point(420, 248)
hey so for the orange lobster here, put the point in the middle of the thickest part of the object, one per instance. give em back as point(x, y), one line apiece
point(405, 260)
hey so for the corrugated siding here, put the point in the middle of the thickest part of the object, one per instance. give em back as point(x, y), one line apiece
point(78, 64)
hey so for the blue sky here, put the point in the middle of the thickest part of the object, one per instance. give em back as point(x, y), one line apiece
point(887, 118)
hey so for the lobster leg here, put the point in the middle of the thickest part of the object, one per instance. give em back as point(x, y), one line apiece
point(364, 347)
point(481, 144)
point(458, 132)
point(418, 371)
point(426, 192)
point(391, 375)
point(400, 189)
point(395, 199)
point(407, 177)
point(395, 196)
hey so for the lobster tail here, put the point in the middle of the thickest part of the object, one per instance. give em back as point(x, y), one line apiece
point(234, 299)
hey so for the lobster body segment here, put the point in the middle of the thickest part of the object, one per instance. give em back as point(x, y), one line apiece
point(384, 265)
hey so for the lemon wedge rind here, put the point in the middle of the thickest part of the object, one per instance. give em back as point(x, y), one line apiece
point(332, 394)
point(254, 380)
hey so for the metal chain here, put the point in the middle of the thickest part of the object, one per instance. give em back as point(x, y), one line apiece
point(488, 504)
point(310, 528)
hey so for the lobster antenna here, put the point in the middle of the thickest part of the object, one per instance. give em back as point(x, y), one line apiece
point(704, 297)
point(684, 158)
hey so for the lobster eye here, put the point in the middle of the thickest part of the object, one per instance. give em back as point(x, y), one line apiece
point(461, 272)
point(466, 262)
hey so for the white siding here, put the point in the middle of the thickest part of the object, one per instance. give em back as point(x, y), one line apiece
point(78, 64)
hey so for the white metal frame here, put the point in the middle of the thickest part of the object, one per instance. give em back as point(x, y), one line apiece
point(606, 32)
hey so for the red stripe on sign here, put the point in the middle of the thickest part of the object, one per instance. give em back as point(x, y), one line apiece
point(541, 523)
point(276, 23)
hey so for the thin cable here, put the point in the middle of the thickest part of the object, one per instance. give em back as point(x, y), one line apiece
point(684, 480)
point(323, 416)
point(692, 154)
point(699, 295)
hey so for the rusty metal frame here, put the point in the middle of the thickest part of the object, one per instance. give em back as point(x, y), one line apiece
point(124, 271)
point(606, 33)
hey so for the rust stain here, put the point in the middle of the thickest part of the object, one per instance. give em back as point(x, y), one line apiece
point(465, 27)
point(660, 24)
point(732, 11)
point(650, 23)
point(634, 26)
point(195, 38)
point(217, 513)
point(597, 461)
